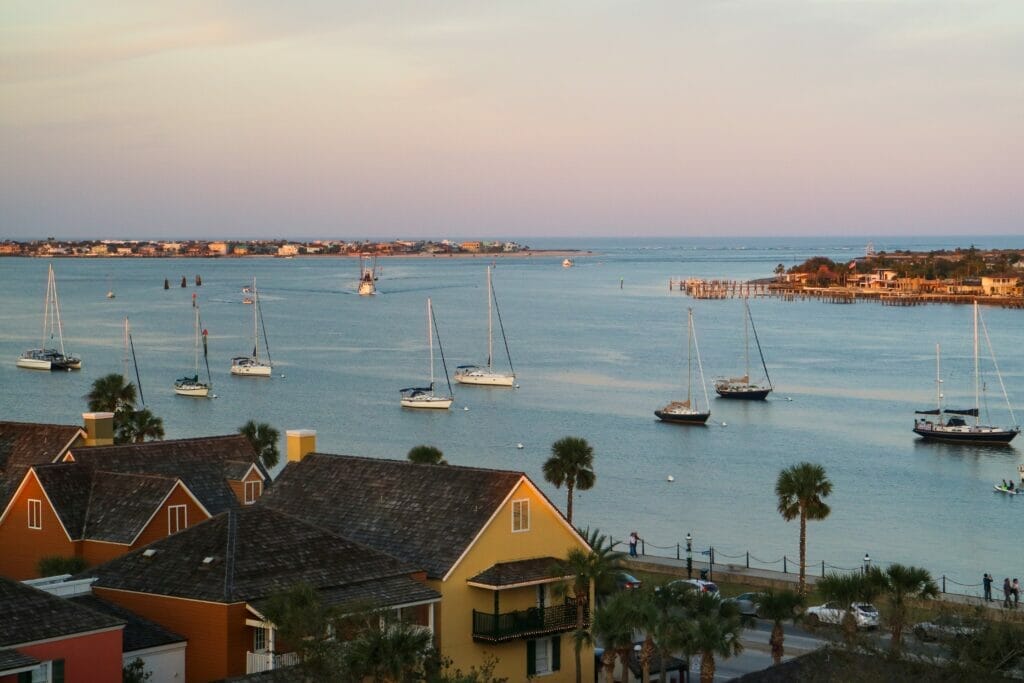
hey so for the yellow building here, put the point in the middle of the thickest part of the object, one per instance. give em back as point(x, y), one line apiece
point(488, 540)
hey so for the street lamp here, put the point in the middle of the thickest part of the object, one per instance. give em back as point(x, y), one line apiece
point(689, 555)
point(867, 563)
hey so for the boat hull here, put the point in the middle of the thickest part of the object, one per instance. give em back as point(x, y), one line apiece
point(751, 393)
point(48, 359)
point(1000, 489)
point(35, 364)
point(969, 434)
point(252, 369)
point(682, 418)
point(192, 390)
point(486, 379)
point(366, 288)
point(428, 402)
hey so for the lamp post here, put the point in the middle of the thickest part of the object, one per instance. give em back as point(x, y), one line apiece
point(689, 555)
point(867, 563)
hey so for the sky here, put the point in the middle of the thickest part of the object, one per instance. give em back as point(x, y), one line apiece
point(378, 119)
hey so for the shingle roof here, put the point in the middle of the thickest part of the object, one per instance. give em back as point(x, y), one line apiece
point(203, 464)
point(428, 514)
point(67, 487)
point(256, 552)
point(23, 444)
point(139, 633)
point(519, 572)
point(30, 614)
point(12, 659)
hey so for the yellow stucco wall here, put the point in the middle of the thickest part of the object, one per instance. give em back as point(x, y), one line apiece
point(549, 535)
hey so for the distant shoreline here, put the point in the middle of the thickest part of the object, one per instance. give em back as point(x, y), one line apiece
point(526, 253)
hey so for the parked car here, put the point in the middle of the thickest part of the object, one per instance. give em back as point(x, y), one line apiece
point(944, 627)
point(865, 614)
point(747, 603)
point(625, 582)
point(698, 584)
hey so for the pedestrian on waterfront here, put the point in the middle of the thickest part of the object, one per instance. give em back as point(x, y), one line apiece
point(1007, 592)
point(634, 538)
point(1016, 593)
point(987, 582)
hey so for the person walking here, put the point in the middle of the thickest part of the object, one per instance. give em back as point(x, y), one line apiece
point(987, 582)
point(1016, 593)
point(1007, 592)
point(634, 538)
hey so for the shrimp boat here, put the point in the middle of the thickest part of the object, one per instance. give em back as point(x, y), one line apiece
point(367, 275)
point(955, 425)
point(424, 397)
point(191, 386)
point(488, 376)
point(686, 412)
point(741, 387)
point(49, 358)
point(254, 366)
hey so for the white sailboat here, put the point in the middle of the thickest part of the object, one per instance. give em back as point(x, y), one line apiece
point(47, 357)
point(686, 412)
point(191, 386)
point(488, 376)
point(424, 397)
point(367, 275)
point(254, 366)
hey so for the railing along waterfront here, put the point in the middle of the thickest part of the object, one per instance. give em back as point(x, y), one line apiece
point(528, 623)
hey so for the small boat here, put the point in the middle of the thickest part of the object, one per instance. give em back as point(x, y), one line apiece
point(191, 386)
point(367, 276)
point(48, 358)
point(254, 366)
point(1008, 491)
point(686, 412)
point(741, 387)
point(247, 300)
point(424, 397)
point(110, 289)
point(488, 376)
point(953, 425)
point(568, 263)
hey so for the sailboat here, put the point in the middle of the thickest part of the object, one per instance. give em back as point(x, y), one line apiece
point(686, 412)
point(48, 358)
point(952, 425)
point(367, 277)
point(488, 376)
point(191, 386)
point(424, 397)
point(740, 387)
point(253, 365)
point(129, 353)
point(110, 288)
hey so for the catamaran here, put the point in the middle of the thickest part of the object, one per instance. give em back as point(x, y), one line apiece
point(191, 386)
point(49, 358)
point(254, 366)
point(953, 425)
point(488, 376)
point(424, 397)
point(741, 387)
point(686, 412)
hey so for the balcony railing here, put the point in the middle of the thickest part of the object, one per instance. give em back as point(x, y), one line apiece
point(528, 623)
point(256, 662)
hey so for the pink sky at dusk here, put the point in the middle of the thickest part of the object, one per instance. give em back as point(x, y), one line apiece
point(599, 118)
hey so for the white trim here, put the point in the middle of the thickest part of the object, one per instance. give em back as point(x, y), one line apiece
point(19, 670)
point(180, 527)
point(65, 636)
point(64, 452)
point(520, 503)
point(177, 482)
point(17, 492)
point(169, 597)
point(35, 511)
point(245, 492)
point(128, 655)
point(251, 468)
point(525, 584)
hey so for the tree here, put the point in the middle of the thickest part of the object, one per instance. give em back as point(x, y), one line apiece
point(571, 463)
point(304, 622)
point(110, 394)
point(801, 490)
point(55, 565)
point(426, 455)
point(780, 270)
point(138, 426)
point(899, 583)
point(135, 672)
point(391, 651)
point(614, 624)
point(671, 631)
point(717, 627)
point(779, 606)
point(264, 440)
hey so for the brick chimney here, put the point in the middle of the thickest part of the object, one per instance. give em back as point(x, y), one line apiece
point(99, 429)
point(300, 443)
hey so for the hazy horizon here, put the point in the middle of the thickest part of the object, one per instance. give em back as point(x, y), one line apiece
point(726, 118)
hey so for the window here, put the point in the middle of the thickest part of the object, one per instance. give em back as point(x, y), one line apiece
point(35, 514)
point(259, 639)
point(47, 672)
point(521, 515)
point(543, 656)
point(177, 518)
point(253, 490)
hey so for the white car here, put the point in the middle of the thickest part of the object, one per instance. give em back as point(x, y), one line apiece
point(699, 585)
point(865, 614)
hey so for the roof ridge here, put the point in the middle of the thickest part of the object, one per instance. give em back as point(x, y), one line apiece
point(111, 473)
point(37, 424)
point(229, 556)
point(398, 461)
point(164, 442)
point(88, 505)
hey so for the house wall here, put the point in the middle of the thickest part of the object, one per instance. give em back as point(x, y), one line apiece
point(93, 658)
point(22, 548)
point(549, 535)
point(217, 635)
point(166, 664)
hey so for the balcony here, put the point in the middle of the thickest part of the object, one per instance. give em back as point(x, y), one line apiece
point(529, 623)
point(257, 662)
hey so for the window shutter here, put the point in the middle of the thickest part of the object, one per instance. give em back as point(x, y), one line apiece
point(556, 653)
point(25, 677)
point(57, 671)
point(531, 658)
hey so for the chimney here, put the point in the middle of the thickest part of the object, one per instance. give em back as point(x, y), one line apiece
point(300, 443)
point(99, 429)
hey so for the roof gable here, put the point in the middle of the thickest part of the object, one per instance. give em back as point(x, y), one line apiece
point(121, 505)
point(23, 444)
point(67, 487)
point(30, 614)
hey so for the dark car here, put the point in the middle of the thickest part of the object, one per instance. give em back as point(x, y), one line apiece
point(747, 603)
point(625, 582)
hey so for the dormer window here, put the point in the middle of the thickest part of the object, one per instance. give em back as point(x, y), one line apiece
point(253, 490)
point(521, 515)
point(35, 514)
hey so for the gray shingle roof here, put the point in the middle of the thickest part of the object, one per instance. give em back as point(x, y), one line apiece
point(29, 614)
point(12, 659)
point(428, 514)
point(67, 487)
point(519, 572)
point(23, 444)
point(255, 553)
point(139, 633)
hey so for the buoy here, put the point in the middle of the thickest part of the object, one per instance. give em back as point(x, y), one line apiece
point(670, 478)
point(519, 446)
point(167, 285)
point(724, 424)
point(183, 283)
point(465, 407)
point(517, 386)
point(199, 281)
point(788, 398)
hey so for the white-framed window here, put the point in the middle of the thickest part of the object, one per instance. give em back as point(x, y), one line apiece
point(177, 518)
point(521, 515)
point(253, 490)
point(47, 672)
point(543, 656)
point(259, 639)
point(35, 514)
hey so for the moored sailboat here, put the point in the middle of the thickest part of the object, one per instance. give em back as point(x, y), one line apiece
point(253, 365)
point(741, 387)
point(49, 358)
point(686, 412)
point(192, 386)
point(424, 397)
point(488, 376)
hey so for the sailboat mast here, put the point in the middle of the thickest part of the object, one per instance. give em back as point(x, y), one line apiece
point(977, 381)
point(490, 327)
point(255, 323)
point(938, 379)
point(195, 344)
point(124, 360)
point(746, 342)
point(430, 341)
point(689, 353)
point(56, 312)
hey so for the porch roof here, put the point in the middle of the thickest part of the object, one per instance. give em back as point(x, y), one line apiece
point(519, 573)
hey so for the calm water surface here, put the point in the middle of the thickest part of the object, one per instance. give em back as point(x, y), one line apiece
point(593, 360)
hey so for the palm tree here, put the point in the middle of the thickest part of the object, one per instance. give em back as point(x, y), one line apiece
point(139, 426)
point(899, 583)
point(716, 630)
point(845, 589)
point(264, 440)
point(801, 490)
point(426, 455)
point(571, 463)
point(671, 631)
point(395, 651)
point(111, 394)
point(779, 606)
point(614, 624)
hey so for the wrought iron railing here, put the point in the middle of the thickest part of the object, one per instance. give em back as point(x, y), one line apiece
point(527, 623)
